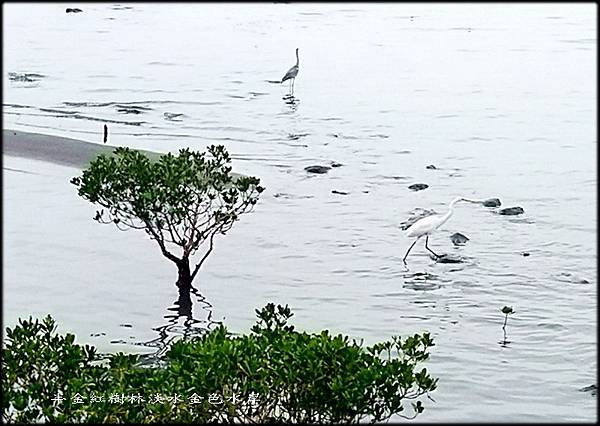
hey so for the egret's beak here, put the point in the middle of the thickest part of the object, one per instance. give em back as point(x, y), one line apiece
point(472, 201)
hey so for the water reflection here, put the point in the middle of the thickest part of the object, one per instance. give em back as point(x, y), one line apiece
point(422, 281)
point(181, 323)
point(291, 101)
point(504, 343)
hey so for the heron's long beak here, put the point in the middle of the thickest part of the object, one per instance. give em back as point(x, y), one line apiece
point(472, 201)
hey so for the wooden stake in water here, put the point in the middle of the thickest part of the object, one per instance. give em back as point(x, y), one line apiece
point(105, 133)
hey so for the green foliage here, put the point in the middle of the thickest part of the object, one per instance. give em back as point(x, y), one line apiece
point(37, 364)
point(183, 200)
point(274, 373)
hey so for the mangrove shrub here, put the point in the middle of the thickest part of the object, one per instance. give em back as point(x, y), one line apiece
point(273, 373)
point(181, 201)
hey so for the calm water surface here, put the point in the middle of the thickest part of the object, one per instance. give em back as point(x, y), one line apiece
point(500, 98)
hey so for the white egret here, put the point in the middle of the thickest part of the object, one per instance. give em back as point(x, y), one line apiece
point(427, 225)
point(292, 73)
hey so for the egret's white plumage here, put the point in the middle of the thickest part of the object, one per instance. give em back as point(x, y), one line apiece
point(292, 73)
point(427, 225)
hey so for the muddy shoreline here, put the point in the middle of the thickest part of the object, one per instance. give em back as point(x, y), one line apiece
point(54, 149)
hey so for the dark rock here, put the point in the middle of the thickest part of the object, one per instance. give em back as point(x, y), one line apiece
point(27, 77)
point(336, 164)
point(338, 192)
point(447, 258)
point(418, 186)
point(525, 254)
point(73, 10)
point(431, 167)
point(492, 202)
point(129, 110)
point(172, 116)
point(317, 169)
point(512, 211)
point(295, 137)
point(21, 78)
point(591, 388)
point(571, 278)
point(458, 239)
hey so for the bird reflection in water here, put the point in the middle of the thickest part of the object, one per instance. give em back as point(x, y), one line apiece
point(180, 323)
point(422, 281)
point(292, 102)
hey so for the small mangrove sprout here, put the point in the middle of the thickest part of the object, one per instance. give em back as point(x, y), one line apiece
point(507, 310)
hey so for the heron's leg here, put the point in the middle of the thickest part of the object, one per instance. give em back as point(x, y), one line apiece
point(434, 253)
point(409, 249)
point(293, 81)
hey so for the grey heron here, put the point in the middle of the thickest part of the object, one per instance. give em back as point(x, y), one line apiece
point(292, 73)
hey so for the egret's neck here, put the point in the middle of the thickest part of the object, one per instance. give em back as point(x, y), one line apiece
point(297, 59)
point(446, 216)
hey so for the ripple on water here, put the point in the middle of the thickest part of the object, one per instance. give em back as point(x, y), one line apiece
point(571, 278)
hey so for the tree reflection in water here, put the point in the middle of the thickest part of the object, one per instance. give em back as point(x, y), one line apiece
point(180, 323)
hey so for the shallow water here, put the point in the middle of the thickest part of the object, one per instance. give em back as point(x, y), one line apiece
point(500, 98)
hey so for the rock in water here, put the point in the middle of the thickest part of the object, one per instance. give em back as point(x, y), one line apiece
point(317, 169)
point(447, 258)
point(73, 10)
point(492, 202)
point(129, 111)
point(336, 164)
point(172, 116)
point(591, 388)
point(418, 186)
point(27, 77)
point(458, 239)
point(334, 191)
point(512, 211)
point(431, 167)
